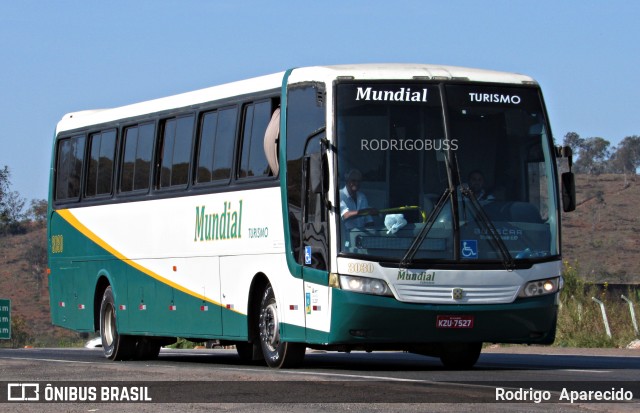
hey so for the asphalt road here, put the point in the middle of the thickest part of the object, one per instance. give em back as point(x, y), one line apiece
point(199, 380)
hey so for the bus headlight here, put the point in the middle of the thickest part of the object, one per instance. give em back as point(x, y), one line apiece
point(541, 287)
point(365, 285)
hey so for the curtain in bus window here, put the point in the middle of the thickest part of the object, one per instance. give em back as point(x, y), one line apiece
point(69, 168)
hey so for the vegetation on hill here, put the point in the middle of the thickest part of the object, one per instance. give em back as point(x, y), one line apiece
point(602, 236)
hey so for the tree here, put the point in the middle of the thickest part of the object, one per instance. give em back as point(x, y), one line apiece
point(593, 156)
point(38, 211)
point(574, 141)
point(4, 191)
point(4, 187)
point(11, 206)
point(626, 158)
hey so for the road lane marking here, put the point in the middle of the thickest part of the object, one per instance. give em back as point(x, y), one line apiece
point(52, 360)
point(586, 371)
point(347, 376)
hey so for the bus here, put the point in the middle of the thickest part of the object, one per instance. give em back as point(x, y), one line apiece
point(371, 207)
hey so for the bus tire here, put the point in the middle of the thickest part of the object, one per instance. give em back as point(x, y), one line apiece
point(277, 353)
point(115, 346)
point(460, 356)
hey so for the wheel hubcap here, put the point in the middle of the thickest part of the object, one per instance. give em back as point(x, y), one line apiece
point(109, 325)
point(270, 332)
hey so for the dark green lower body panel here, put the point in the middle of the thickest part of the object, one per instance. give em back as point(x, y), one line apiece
point(359, 319)
point(144, 306)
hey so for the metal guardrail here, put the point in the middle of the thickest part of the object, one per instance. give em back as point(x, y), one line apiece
point(633, 314)
point(605, 320)
point(604, 316)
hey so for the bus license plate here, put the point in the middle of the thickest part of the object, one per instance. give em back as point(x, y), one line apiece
point(454, 321)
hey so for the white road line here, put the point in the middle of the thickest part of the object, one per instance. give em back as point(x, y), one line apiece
point(52, 360)
point(586, 371)
point(337, 375)
point(532, 368)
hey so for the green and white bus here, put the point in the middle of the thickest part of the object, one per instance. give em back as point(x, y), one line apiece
point(231, 214)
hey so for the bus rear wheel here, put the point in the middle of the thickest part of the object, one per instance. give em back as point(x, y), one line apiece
point(277, 353)
point(460, 356)
point(115, 346)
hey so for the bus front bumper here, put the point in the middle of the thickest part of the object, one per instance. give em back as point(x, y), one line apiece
point(367, 319)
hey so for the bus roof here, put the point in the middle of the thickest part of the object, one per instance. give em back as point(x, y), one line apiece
point(391, 71)
point(409, 71)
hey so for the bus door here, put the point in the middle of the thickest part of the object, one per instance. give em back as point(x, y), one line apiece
point(315, 238)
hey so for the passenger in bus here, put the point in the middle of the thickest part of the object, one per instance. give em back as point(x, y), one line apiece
point(354, 206)
point(476, 184)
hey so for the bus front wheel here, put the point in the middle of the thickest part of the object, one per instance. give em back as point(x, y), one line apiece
point(115, 346)
point(277, 353)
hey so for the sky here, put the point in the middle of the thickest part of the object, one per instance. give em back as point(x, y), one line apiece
point(64, 56)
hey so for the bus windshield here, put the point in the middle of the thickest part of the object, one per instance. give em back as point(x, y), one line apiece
point(445, 172)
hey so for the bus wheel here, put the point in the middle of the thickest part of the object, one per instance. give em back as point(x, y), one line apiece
point(115, 346)
point(460, 356)
point(276, 353)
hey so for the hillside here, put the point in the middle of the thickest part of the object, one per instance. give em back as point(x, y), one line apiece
point(23, 280)
point(601, 238)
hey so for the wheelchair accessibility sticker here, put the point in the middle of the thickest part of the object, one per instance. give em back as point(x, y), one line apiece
point(469, 249)
point(307, 255)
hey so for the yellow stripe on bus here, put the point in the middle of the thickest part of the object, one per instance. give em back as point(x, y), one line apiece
point(80, 227)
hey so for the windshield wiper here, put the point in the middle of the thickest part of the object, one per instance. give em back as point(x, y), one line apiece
point(488, 227)
point(431, 219)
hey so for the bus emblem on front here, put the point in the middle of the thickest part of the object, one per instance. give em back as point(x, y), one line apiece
point(457, 293)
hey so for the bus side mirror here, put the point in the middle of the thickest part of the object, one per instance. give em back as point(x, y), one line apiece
point(568, 189)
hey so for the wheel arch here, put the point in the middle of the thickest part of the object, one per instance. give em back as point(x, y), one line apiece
point(102, 283)
point(258, 284)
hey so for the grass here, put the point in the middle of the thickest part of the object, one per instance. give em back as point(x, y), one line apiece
point(580, 321)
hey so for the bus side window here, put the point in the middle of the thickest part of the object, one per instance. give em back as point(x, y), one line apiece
point(253, 161)
point(136, 160)
point(215, 146)
point(175, 152)
point(69, 168)
point(102, 149)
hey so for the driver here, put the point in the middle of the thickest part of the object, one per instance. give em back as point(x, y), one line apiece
point(353, 203)
point(476, 184)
